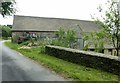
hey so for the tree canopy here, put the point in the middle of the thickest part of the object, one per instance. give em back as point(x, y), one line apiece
point(7, 8)
point(6, 31)
point(110, 29)
point(111, 24)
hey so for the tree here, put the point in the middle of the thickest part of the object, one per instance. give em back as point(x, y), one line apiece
point(94, 39)
point(111, 24)
point(7, 8)
point(65, 38)
point(6, 31)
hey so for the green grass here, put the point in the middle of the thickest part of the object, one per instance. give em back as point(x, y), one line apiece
point(64, 68)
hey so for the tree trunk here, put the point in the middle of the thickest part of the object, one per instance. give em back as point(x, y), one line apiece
point(117, 52)
point(117, 46)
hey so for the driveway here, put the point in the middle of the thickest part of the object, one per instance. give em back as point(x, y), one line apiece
point(15, 67)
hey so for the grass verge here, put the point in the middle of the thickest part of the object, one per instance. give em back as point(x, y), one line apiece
point(67, 69)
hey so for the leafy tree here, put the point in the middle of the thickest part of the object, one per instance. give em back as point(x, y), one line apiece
point(65, 38)
point(94, 39)
point(7, 8)
point(6, 31)
point(111, 24)
point(60, 38)
point(110, 31)
point(70, 38)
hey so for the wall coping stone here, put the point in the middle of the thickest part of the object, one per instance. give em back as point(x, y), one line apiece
point(86, 52)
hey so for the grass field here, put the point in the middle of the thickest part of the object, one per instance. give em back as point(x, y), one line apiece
point(64, 68)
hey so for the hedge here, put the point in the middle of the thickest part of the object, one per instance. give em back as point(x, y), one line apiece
point(95, 60)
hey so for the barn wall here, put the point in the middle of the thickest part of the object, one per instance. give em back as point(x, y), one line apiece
point(15, 35)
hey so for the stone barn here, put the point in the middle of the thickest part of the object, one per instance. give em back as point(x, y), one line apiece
point(45, 27)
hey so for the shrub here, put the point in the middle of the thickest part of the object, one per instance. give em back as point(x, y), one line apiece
point(6, 31)
point(25, 43)
point(42, 49)
point(65, 38)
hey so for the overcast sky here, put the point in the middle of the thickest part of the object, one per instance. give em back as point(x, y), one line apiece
point(73, 9)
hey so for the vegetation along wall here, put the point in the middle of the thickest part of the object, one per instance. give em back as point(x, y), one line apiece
point(100, 61)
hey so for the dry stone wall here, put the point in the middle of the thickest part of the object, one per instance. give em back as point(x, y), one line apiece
point(95, 60)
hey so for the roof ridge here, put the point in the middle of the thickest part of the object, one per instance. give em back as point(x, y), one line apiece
point(53, 18)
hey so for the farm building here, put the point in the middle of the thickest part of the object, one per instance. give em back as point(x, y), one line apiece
point(46, 27)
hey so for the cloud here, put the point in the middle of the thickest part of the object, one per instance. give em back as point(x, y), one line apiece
point(73, 9)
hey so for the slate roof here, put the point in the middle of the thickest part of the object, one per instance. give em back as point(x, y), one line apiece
point(30, 23)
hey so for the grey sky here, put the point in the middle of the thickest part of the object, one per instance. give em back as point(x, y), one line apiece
point(73, 9)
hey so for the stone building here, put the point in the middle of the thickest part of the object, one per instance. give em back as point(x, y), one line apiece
point(46, 27)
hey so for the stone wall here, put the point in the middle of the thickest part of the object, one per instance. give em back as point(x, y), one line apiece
point(90, 59)
point(15, 35)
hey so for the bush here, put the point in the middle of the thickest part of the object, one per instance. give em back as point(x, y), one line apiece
point(65, 38)
point(42, 49)
point(58, 43)
point(25, 43)
point(6, 31)
point(43, 42)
